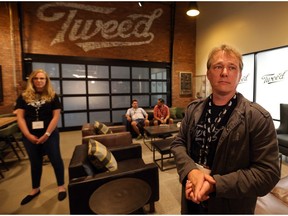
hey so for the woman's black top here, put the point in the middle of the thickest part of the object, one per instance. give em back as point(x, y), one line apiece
point(38, 110)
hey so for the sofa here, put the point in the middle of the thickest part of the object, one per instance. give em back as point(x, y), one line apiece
point(282, 130)
point(275, 202)
point(176, 113)
point(84, 180)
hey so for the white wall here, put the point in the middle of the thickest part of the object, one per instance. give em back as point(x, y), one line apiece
point(248, 26)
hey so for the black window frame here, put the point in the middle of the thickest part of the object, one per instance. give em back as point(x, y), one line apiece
point(30, 58)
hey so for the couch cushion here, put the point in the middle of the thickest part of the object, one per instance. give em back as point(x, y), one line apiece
point(281, 193)
point(270, 203)
point(100, 157)
point(101, 128)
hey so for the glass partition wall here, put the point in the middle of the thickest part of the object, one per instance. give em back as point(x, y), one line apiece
point(103, 90)
point(265, 79)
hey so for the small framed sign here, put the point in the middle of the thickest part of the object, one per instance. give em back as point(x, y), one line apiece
point(186, 84)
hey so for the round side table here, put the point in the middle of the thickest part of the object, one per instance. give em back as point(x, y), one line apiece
point(120, 196)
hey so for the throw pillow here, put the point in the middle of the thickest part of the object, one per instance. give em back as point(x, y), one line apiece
point(100, 157)
point(101, 128)
point(173, 112)
point(179, 112)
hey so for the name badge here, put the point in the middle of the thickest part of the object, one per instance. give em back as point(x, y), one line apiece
point(37, 125)
point(203, 169)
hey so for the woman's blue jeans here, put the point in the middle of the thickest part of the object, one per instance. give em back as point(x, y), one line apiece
point(52, 149)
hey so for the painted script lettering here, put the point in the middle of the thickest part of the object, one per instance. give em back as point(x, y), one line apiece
point(244, 79)
point(136, 26)
point(273, 78)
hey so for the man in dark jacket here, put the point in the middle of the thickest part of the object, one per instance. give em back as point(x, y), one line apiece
point(226, 150)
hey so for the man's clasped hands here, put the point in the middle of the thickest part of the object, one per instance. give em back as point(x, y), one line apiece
point(199, 185)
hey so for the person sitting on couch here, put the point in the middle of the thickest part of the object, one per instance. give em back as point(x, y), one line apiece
point(161, 113)
point(138, 118)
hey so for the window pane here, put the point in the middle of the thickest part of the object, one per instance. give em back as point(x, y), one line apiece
point(140, 73)
point(158, 87)
point(158, 73)
point(140, 87)
point(161, 87)
point(120, 87)
point(98, 87)
point(246, 84)
point(98, 71)
point(103, 92)
point(75, 119)
point(56, 86)
point(143, 100)
point(99, 116)
point(51, 68)
point(276, 124)
point(117, 115)
point(101, 102)
point(121, 101)
point(74, 103)
point(74, 87)
point(271, 78)
point(120, 72)
point(73, 70)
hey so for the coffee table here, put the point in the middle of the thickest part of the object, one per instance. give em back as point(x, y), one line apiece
point(120, 196)
point(156, 131)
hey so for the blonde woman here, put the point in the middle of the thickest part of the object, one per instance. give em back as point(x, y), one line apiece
point(38, 112)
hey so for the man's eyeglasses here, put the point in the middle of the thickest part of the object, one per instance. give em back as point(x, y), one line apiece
point(39, 78)
point(220, 68)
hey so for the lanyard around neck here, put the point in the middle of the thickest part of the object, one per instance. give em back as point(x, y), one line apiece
point(211, 126)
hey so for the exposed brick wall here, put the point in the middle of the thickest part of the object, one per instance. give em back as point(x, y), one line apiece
point(10, 58)
point(183, 52)
point(38, 36)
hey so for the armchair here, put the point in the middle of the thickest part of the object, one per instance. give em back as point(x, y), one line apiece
point(128, 127)
point(83, 181)
point(282, 130)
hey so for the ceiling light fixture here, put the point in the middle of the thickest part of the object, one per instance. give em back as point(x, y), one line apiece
point(140, 4)
point(193, 9)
